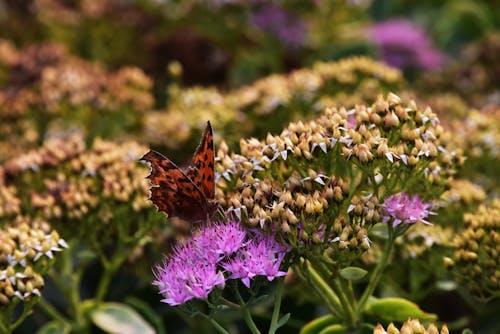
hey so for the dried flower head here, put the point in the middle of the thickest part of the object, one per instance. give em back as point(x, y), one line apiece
point(49, 89)
point(101, 188)
point(476, 249)
point(27, 250)
point(319, 183)
point(411, 326)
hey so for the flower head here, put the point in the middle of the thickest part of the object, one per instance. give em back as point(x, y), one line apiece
point(187, 274)
point(221, 239)
point(198, 266)
point(261, 257)
point(402, 208)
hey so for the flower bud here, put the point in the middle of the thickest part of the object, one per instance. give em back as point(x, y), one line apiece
point(362, 152)
point(393, 99)
point(391, 120)
point(310, 209)
point(4, 299)
point(285, 227)
point(300, 200)
point(9, 290)
point(375, 118)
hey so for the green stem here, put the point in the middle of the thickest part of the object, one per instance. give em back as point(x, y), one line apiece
point(335, 285)
point(110, 267)
point(3, 326)
point(26, 312)
point(246, 312)
point(277, 305)
point(351, 294)
point(249, 321)
point(104, 283)
point(74, 295)
point(326, 274)
point(347, 307)
point(324, 291)
point(229, 303)
point(51, 311)
point(217, 326)
point(377, 273)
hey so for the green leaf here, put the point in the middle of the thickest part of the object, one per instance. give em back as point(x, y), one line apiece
point(54, 327)
point(333, 329)
point(396, 309)
point(283, 320)
point(148, 313)
point(353, 273)
point(316, 325)
point(119, 318)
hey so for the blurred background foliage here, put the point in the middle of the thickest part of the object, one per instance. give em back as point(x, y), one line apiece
point(87, 86)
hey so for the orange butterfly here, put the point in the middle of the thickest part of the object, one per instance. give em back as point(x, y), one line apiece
point(187, 193)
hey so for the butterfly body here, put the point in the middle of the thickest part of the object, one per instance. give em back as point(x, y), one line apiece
point(186, 193)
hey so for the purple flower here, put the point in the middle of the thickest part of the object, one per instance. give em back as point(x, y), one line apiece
point(287, 28)
point(261, 257)
point(196, 267)
point(403, 209)
point(187, 275)
point(405, 45)
point(222, 239)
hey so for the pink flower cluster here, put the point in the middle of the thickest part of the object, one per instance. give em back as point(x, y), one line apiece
point(216, 253)
point(403, 209)
point(404, 45)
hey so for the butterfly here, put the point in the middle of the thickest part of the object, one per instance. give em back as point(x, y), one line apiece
point(186, 193)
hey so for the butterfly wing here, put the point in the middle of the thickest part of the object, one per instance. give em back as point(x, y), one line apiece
point(172, 191)
point(203, 161)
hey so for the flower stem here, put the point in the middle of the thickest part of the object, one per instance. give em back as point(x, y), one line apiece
point(110, 268)
point(26, 312)
point(229, 303)
point(246, 312)
point(50, 310)
point(218, 327)
point(277, 305)
point(346, 306)
point(377, 274)
point(104, 283)
point(324, 291)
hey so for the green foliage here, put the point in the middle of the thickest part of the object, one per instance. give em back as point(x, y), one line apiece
point(388, 310)
point(116, 317)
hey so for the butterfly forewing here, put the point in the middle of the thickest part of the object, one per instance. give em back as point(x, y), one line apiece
point(172, 191)
point(203, 162)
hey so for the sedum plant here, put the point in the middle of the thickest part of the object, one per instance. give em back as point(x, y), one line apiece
point(48, 92)
point(325, 186)
point(95, 198)
point(474, 262)
point(28, 251)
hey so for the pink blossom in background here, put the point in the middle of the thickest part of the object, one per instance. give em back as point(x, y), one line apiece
point(405, 45)
point(277, 21)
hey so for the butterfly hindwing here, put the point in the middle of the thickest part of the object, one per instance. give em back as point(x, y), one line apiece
point(172, 191)
point(203, 162)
